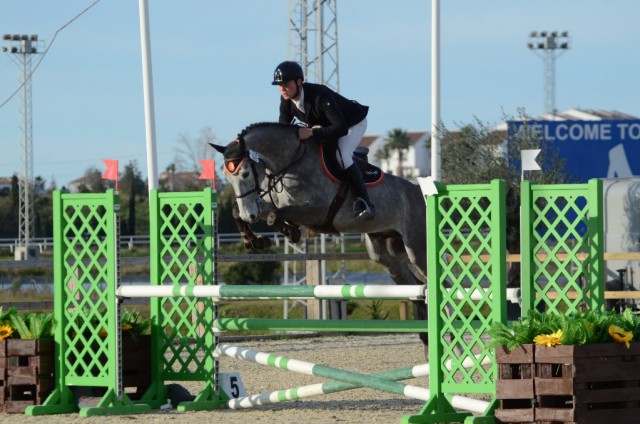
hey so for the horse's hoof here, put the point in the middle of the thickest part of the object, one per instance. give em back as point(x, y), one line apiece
point(292, 233)
point(261, 243)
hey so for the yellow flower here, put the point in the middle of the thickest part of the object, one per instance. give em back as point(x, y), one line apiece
point(126, 326)
point(103, 332)
point(549, 339)
point(620, 334)
point(5, 331)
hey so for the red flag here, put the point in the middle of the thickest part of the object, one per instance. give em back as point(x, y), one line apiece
point(111, 173)
point(209, 171)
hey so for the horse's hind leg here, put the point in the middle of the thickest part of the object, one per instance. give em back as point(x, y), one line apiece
point(385, 251)
point(389, 252)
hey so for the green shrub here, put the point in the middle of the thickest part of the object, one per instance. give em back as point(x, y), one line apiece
point(576, 328)
point(252, 272)
point(33, 325)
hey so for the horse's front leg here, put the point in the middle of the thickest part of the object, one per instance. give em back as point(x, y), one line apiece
point(289, 230)
point(249, 238)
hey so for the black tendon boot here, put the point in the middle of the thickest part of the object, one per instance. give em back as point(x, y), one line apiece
point(362, 207)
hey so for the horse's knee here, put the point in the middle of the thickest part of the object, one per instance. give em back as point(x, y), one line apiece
point(273, 219)
point(288, 230)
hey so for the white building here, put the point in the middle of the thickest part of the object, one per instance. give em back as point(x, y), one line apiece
point(416, 161)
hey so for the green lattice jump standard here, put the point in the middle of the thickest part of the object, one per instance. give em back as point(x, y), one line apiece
point(466, 251)
point(183, 251)
point(562, 246)
point(86, 275)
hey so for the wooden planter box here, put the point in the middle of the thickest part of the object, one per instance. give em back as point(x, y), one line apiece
point(26, 373)
point(136, 365)
point(514, 387)
point(588, 384)
point(571, 384)
point(136, 368)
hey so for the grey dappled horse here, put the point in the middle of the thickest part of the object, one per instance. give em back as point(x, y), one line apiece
point(280, 179)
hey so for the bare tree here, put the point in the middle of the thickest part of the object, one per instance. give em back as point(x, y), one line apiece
point(92, 181)
point(191, 150)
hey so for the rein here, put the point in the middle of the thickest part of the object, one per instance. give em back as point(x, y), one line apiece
point(274, 178)
point(277, 177)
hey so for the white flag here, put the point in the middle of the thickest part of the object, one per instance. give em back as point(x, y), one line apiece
point(529, 160)
point(427, 186)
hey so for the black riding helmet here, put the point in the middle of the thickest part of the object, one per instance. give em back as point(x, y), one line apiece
point(287, 71)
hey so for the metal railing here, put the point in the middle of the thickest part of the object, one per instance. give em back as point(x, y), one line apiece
point(44, 243)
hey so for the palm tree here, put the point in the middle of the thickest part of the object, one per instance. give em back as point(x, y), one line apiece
point(398, 140)
point(383, 155)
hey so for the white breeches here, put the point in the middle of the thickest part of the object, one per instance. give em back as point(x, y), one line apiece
point(348, 143)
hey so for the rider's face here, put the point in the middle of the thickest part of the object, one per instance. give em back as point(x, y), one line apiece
point(289, 90)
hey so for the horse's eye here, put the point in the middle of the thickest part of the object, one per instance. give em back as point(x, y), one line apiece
point(245, 174)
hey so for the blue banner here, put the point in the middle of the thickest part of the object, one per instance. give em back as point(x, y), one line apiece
point(591, 149)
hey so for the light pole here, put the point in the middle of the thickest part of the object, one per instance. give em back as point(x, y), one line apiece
point(22, 47)
point(551, 44)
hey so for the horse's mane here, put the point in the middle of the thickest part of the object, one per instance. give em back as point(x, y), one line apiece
point(262, 125)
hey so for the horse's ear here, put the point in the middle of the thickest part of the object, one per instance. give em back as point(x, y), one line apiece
point(220, 149)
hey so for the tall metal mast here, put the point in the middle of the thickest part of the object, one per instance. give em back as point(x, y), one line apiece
point(22, 47)
point(552, 44)
point(313, 40)
point(313, 43)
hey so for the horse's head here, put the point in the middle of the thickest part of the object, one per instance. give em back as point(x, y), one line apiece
point(245, 174)
point(260, 148)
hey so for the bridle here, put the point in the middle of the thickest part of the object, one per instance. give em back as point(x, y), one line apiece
point(233, 165)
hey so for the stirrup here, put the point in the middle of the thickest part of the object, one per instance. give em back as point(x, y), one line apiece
point(362, 211)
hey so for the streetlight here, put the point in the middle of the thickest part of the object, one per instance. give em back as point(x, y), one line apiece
point(551, 44)
point(22, 47)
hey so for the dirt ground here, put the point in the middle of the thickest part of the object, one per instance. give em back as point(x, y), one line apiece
point(363, 354)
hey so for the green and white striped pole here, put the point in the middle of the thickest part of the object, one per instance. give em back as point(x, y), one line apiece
point(323, 388)
point(228, 292)
point(355, 379)
point(335, 386)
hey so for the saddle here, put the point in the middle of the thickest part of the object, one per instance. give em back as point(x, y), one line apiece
point(372, 176)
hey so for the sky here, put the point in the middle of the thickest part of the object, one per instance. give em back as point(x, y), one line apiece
point(213, 61)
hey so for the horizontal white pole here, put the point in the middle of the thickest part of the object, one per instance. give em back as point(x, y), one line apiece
point(232, 292)
point(168, 291)
point(330, 292)
point(513, 295)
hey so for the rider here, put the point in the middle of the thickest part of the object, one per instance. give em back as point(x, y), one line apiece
point(332, 117)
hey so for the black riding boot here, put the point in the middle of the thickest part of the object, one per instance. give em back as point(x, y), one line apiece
point(362, 207)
